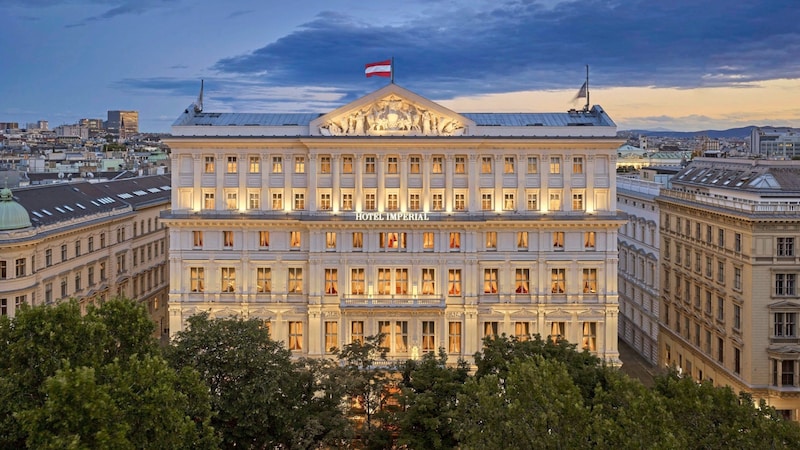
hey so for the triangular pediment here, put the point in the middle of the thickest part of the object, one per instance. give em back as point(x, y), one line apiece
point(391, 111)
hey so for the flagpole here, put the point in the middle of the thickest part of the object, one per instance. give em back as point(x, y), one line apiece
point(392, 69)
point(586, 108)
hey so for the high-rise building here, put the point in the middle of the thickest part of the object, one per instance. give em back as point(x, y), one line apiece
point(122, 124)
point(730, 263)
point(775, 142)
point(395, 215)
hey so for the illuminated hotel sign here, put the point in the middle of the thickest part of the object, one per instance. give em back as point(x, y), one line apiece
point(392, 217)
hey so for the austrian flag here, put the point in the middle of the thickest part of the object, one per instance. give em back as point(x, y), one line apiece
point(379, 69)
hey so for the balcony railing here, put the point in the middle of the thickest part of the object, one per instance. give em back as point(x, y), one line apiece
point(392, 302)
point(750, 207)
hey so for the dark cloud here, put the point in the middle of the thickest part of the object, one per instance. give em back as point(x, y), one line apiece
point(525, 45)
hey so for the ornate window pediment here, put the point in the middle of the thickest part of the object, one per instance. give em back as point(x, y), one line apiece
point(391, 111)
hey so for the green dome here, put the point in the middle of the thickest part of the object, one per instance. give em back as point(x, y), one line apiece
point(13, 216)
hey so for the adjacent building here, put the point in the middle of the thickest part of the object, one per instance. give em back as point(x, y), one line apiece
point(775, 142)
point(122, 124)
point(395, 215)
point(89, 241)
point(729, 298)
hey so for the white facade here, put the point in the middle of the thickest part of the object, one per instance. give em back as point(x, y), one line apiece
point(393, 214)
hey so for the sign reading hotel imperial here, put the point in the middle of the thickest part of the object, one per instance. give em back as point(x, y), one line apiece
point(394, 214)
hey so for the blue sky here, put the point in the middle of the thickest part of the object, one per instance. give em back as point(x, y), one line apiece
point(679, 64)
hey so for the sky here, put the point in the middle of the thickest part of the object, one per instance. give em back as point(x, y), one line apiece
point(682, 65)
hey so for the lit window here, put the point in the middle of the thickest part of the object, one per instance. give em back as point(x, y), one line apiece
point(414, 203)
point(490, 329)
point(369, 202)
point(294, 239)
point(508, 164)
point(533, 202)
point(264, 280)
point(589, 238)
point(357, 282)
point(428, 282)
point(392, 202)
point(427, 240)
point(393, 240)
point(325, 202)
point(208, 167)
point(460, 202)
point(277, 164)
point(330, 240)
point(347, 202)
point(589, 281)
point(228, 282)
point(277, 201)
point(555, 164)
point(491, 240)
point(358, 240)
point(522, 281)
point(295, 280)
point(454, 337)
point(461, 165)
point(197, 279)
point(347, 164)
point(369, 164)
point(325, 164)
point(558, 240)
point(577, 202)
point(263, 238)
point(357, 331)
point(437, 164)
point(391, 165)
point(254, 201)
point(486, 164)
point(486, 202)
point(208, 200)
point(255, 164)
point(557, 281)
point(299, 201)
point(589, 340)
point(331, 281)
point(508, 201)
point(428, 336)
point(227, 239)
point(331, 336)
point(438, 202)
point(299, 164)
point(522, 331)
point(577, 165)
point(557, 331)
point(230, 200)
point(455, 241)
point(522, 240)
point(533, 165)
point(296, 336)
point(490, 281)
point(454, 282)
point(555, 201)
point(233, 165)
point(414, 166)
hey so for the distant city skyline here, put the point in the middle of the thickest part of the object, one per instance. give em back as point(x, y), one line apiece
point(682, 66)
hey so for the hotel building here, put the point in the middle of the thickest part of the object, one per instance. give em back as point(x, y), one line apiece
point(730, 263)
point(88, 241)
point(393, 214)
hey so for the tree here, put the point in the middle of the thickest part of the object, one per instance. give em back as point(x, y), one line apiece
point(260, 397)
point(430, 394)
point(94, 381)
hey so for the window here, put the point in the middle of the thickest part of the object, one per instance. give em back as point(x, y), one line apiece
point(589, 341)
point(708, 234)
point(294, 240)
point(299, 201)
point(522, 281)
point(555, 201)
point(296, 336)
point(90, 275)
point(589, 281)
point(325, 164)
point(454, 337)
point(358, 240)
point(522, 240)
point(737, 317)
point(395, 338)
point(264, 280)
point(533, 165)
point(508, 164)
point(78, 286)
point(63, 287)
point(460, 202)
point(721, 308)
point(490, 329)
point(277, 201)
point(589, 240)
point(232, 166)
point(357, 331)
point(197, 279)
point(455, 241)
point(414, 166)
point(347, 164)
point(437, 164)
point(331, 281)
point(330, 240)
point(393, 240)
point(522, 330)
point(325, 202)
point(490, 281)
point(357, 281)
point(391, 165)
point(737, 360)
point(428, 336)
point(48, 261)
point(557, 281)
point(486, 164)
point(737, 242)
point(255, 165)
point(555, 164)
point(557, 331)
point(785, 246)
point(228, 279)
point(78, 248)
point(102, 271)
point(461, 165)
point(427, 240)
point(227, 239)
point(737, 278)
point(254, 200)
point(19, 267)
point(197, 238)
point(208, 167)
point(414, 203)
point(299, 164)
point(508, 201)
point(486, 202)
point(295, 280)
point(558, 240)
point(720, 350)
point(277, 164)
point(64, 250)
point(392, 202)
point(230, 200)
point(785, 283)
point(532, 201)
point(369, 164)
point(721, 237)
point(102, 240)
point(369, 202)
point(347, 202)
point(577, 165)
point(208, 200)
point(785, 325)
point(454, 282)
point(428, 282)
point(438, 202)
point(721, 271)
point(491, 240)
point(331, 336)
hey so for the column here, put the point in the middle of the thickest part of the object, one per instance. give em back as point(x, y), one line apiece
point(498, 182)
point(288, 171)
point(544, 182)
point(336, 192)
point(589, 196)
point(522, 170)
point(426, 182)
point(359, 188)
point(311, 182)
point(403, 182)
point(266, 169)
point(242, 169)
point(219, 174)
point(381, 194)
point(448, 182)
point(474, 183)
point(197, 191)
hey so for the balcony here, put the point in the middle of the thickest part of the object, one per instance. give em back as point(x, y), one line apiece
point(380, 301)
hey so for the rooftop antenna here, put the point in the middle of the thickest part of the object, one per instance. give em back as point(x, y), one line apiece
point(198, 105)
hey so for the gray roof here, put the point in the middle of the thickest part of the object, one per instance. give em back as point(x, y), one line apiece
point(759, 176)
